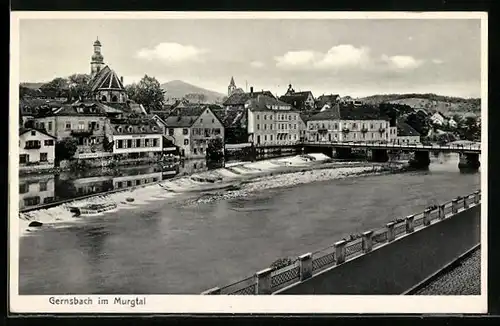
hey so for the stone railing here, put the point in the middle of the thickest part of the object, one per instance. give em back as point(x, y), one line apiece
point(270, 280)
point(388, 144)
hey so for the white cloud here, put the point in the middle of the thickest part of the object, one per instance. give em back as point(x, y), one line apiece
point(172, 53)
point(402, 61)
point(344, 55)
point(257, 64)
point(437, 61)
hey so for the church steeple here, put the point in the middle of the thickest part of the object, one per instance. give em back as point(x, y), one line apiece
point(97, 62)
point(232, 87)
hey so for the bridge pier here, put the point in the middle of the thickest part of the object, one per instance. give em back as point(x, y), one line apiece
point(469, 161)
point(378, 155)
point(342, 152)
point(420, 160)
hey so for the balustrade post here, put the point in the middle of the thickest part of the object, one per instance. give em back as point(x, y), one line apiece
point(215, 290)
point(305, 266)
point(454, 206)
point(391, 235)
point(264, 281)
point(466, 204)
point(340, 251)
point(441, 212)
point(409, 224)
point(427, 217)
point(367, 241)
point(476, 197)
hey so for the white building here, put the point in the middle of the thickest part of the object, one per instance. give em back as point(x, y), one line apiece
point(272, 122)
point(36, 190)
point(452, 123)
point(36, 149)
point(136, 140)
point(347, 125)
point(438, 119)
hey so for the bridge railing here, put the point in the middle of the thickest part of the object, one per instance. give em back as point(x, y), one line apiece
point(306, 266)
point(472, 147)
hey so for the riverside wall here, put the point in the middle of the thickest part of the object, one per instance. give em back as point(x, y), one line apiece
point(397, 266)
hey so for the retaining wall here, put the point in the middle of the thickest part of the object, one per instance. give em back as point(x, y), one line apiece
point(399, 265)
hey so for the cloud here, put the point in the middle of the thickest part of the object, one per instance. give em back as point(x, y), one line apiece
point(172, 53)
point(340, 56)
point(437, 61)
point(402, 61)
point(257, 64)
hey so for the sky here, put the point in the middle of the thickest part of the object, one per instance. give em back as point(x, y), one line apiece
point(355, 57)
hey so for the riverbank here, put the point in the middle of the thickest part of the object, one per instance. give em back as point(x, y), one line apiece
point(235, 180)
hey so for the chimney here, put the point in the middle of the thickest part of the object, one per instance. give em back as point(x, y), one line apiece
point(251, 90)
point(121, 79)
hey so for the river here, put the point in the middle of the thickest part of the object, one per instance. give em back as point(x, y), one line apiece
point(168, 247)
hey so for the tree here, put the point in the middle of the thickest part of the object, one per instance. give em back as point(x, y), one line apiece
point(419, 123)
point(58, 86)
point(469, 129)
point(147, 92)
point(65, 149)
point(79, 86)
point(215, 149)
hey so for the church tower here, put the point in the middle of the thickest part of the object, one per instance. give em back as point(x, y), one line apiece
point(231, 88)
point(97, 62)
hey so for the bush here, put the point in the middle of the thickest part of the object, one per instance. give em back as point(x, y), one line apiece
point(281, 262)
point(65, 149)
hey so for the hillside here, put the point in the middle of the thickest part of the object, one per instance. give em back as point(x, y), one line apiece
point(178, 89)
point(430, 102)
point(32, 85)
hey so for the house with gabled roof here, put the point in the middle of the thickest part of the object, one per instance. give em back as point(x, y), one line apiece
point(299, 100)
point(406, 134)
point(36, 149)
point(191, 129)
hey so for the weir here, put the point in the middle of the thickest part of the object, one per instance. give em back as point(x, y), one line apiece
point(391, 260)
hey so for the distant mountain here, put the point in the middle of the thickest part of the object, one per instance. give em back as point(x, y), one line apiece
point(32, 85)
point(447, 105)
point(177, 89)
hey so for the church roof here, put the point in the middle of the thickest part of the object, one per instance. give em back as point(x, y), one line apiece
point(232, 82)
point(106, 79)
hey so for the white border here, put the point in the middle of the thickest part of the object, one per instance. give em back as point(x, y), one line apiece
point(245, 304)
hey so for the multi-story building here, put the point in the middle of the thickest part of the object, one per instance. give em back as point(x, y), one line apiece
point(238, 99)
point(299, 100)
point(345, 124)
point(36, 149)
point(135, 139)
point(272, 122)
point(86, 122)
point(191, 129)
point(438, 119)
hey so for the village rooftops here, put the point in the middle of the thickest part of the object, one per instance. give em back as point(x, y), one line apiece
point(266, 103)
point(241, 98)
point(119, 128)
point(405, 129)
point(183, 117)
point(106, 79)
point(350, 112)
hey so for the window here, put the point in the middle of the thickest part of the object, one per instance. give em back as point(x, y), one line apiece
point(31, 201)
point(185, 131)
point(33, 133)
point(335, 126)
point(146, 142)
point(155, 142)
point(81, 125)
point(271, 137)
point(170, 131)
point(137, 143)
point(271, 127)
point(265, 137)
point(50, 126)
point(23, 188)
point(129, 143)
point(43, 185)
point(119, 143)
point(257, 117)
point(265, 127)
point(354, 126)
point(217, 131)
point(194, 151)
point(67, 125)
point(258, 127)
point(265, 117)
point(42, 125)
point(48, 142)
point(201, 150)
point(270, 117)
point(43, 157)
point(47, 200)
point(201, 120)
point(213, 120)
point(186, 142)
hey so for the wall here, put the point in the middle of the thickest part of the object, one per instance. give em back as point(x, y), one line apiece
point(143, 148)
point(407, 139)
point(268, 124)
point(355, 134)
point(42, 187)
point(400, 265)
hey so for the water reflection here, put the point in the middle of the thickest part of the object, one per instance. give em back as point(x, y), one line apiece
point(38, 190)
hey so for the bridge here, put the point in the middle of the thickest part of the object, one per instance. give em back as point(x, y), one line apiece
point(377, 151)
point(400, 257)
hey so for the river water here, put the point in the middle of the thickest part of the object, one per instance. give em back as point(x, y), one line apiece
point(168, 247)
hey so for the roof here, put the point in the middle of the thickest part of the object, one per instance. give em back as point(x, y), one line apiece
point(439, 113)
point(405, 129)
point(23, 130)
point(296, 99)
point(327, 99)
point(231, 83)
point(89, 108)
point(107, 79)
point(242, 98)
point(182, 117)
point(350, 112)
point(264, 103)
